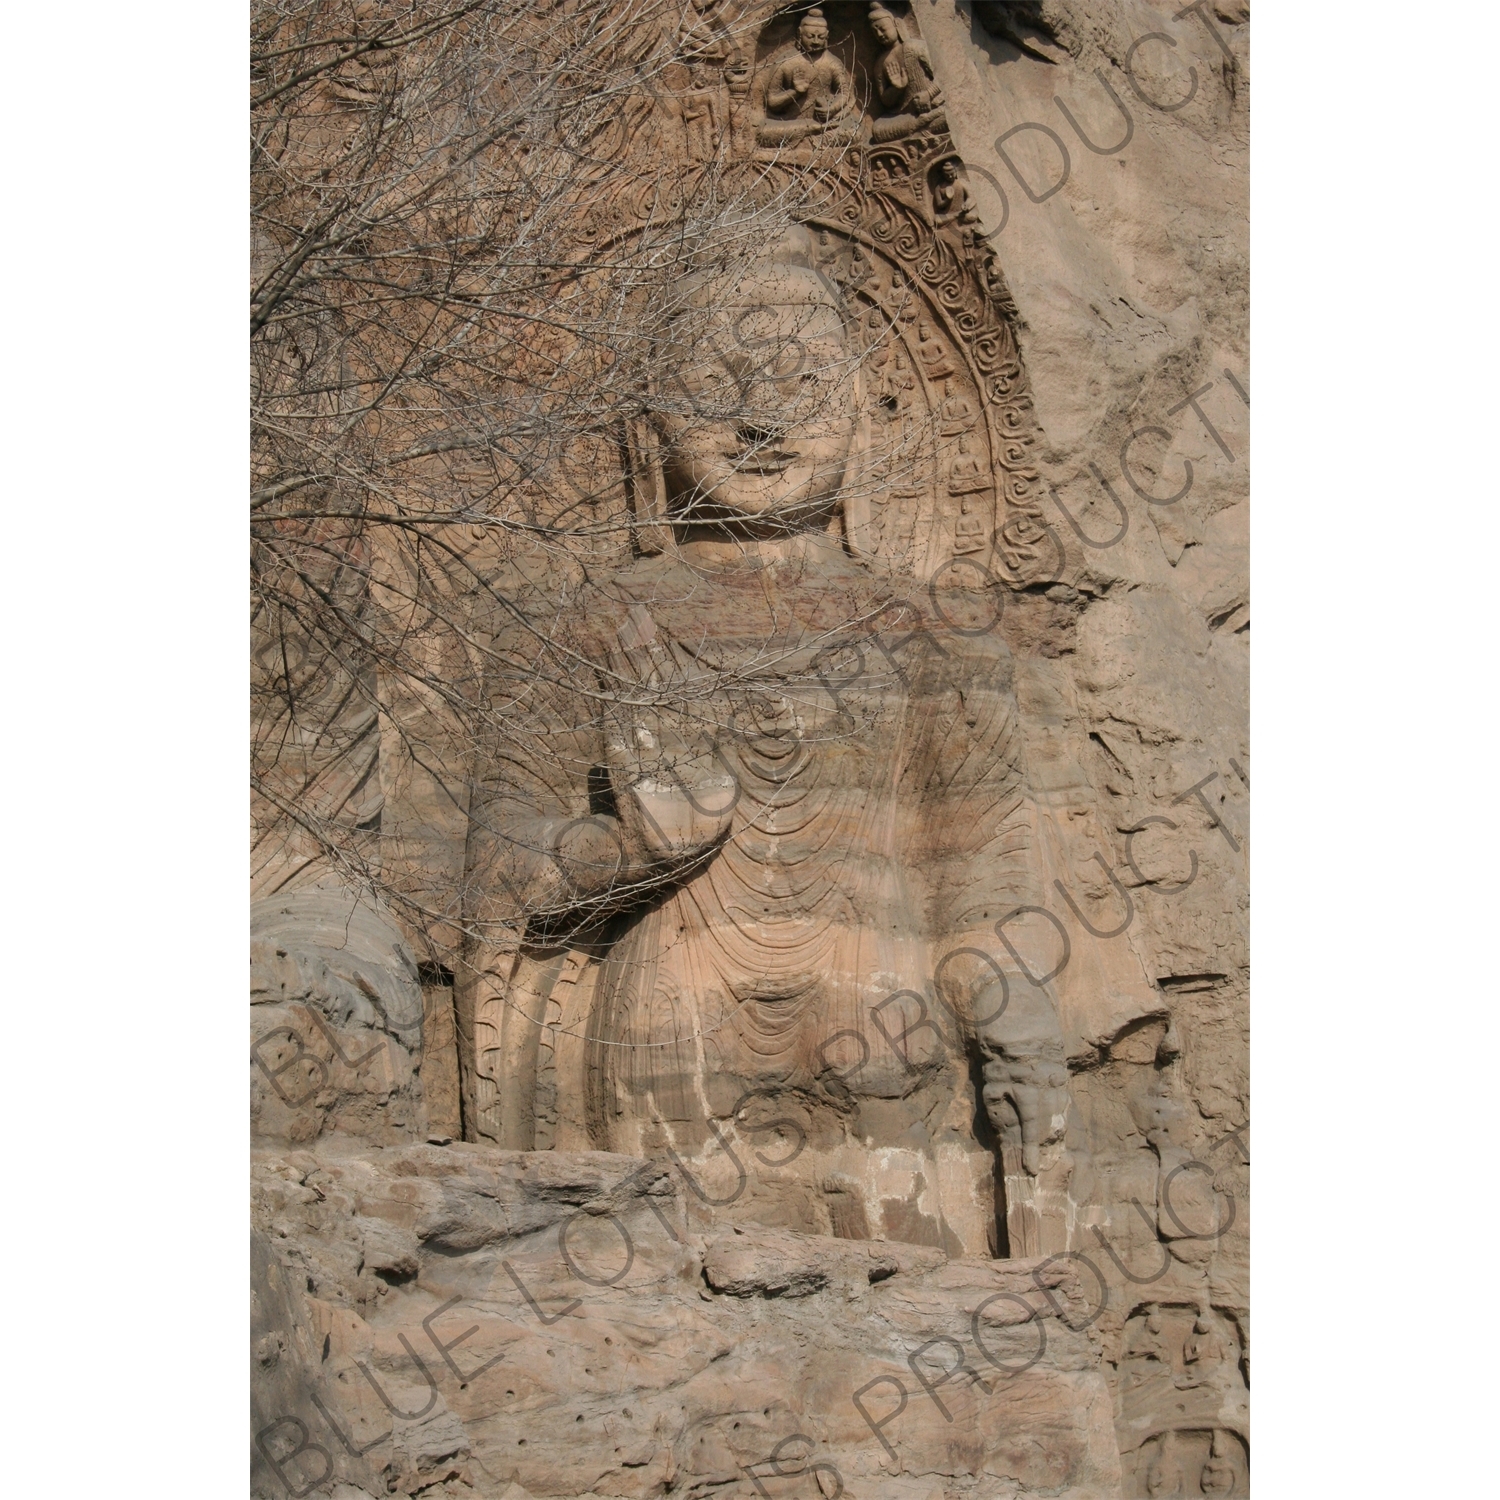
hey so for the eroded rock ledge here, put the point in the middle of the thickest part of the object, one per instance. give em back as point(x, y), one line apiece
point(459, 1320)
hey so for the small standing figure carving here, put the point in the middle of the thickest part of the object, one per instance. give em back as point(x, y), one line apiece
point(953, 204)
point(909, 96)
point(808, 93)
point(699, 114)
point(895, 378)
point(994, 281)
point(737, 77)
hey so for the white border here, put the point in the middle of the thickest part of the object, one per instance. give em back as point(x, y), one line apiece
point(124, 757)
point(1372, 534)
point(125, 751)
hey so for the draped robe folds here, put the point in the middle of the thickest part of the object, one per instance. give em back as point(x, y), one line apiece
point(880, 823)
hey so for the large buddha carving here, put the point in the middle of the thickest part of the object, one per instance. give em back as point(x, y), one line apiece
point(759, 828)
point(751, 793)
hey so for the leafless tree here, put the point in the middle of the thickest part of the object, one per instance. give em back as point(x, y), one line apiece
point(470, 263)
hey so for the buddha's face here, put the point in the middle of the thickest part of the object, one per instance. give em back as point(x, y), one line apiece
point(883, 24)
point(813, 37)
point(763, 420)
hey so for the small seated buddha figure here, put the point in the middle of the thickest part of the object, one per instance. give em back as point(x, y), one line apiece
point(905, 84)
point(953, 204)
point(808, 92)
point(1220, 1475)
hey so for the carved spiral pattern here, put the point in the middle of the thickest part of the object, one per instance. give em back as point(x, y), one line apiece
point(951, 293)
point(908, 242)
point(989, 353)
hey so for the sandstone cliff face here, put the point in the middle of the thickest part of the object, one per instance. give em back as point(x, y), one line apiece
point(1131, 282)
point(440, 1316)
point(456, 1320)
point(335, 1022)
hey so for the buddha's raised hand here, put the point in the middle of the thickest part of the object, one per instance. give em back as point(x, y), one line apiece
point(675, 799)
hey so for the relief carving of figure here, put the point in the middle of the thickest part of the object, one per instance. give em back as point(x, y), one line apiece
point(1164, 1474)
point(967, 473)
point(808, 92)
point(953, 204)
point(950, 195)
point(1220, 1474)
point(905, 84)
point(699, 107)
point(1203, 1353)
point(1147, 1343)
point(788, 883)
point(933, 352)
point(956, 414)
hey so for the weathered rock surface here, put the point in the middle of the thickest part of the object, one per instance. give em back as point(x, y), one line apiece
point(335, 1020)
point(1130, 279)
point(453, 1320)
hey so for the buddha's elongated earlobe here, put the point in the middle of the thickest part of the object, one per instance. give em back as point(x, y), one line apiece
point(856, 498)
point(646, 487)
